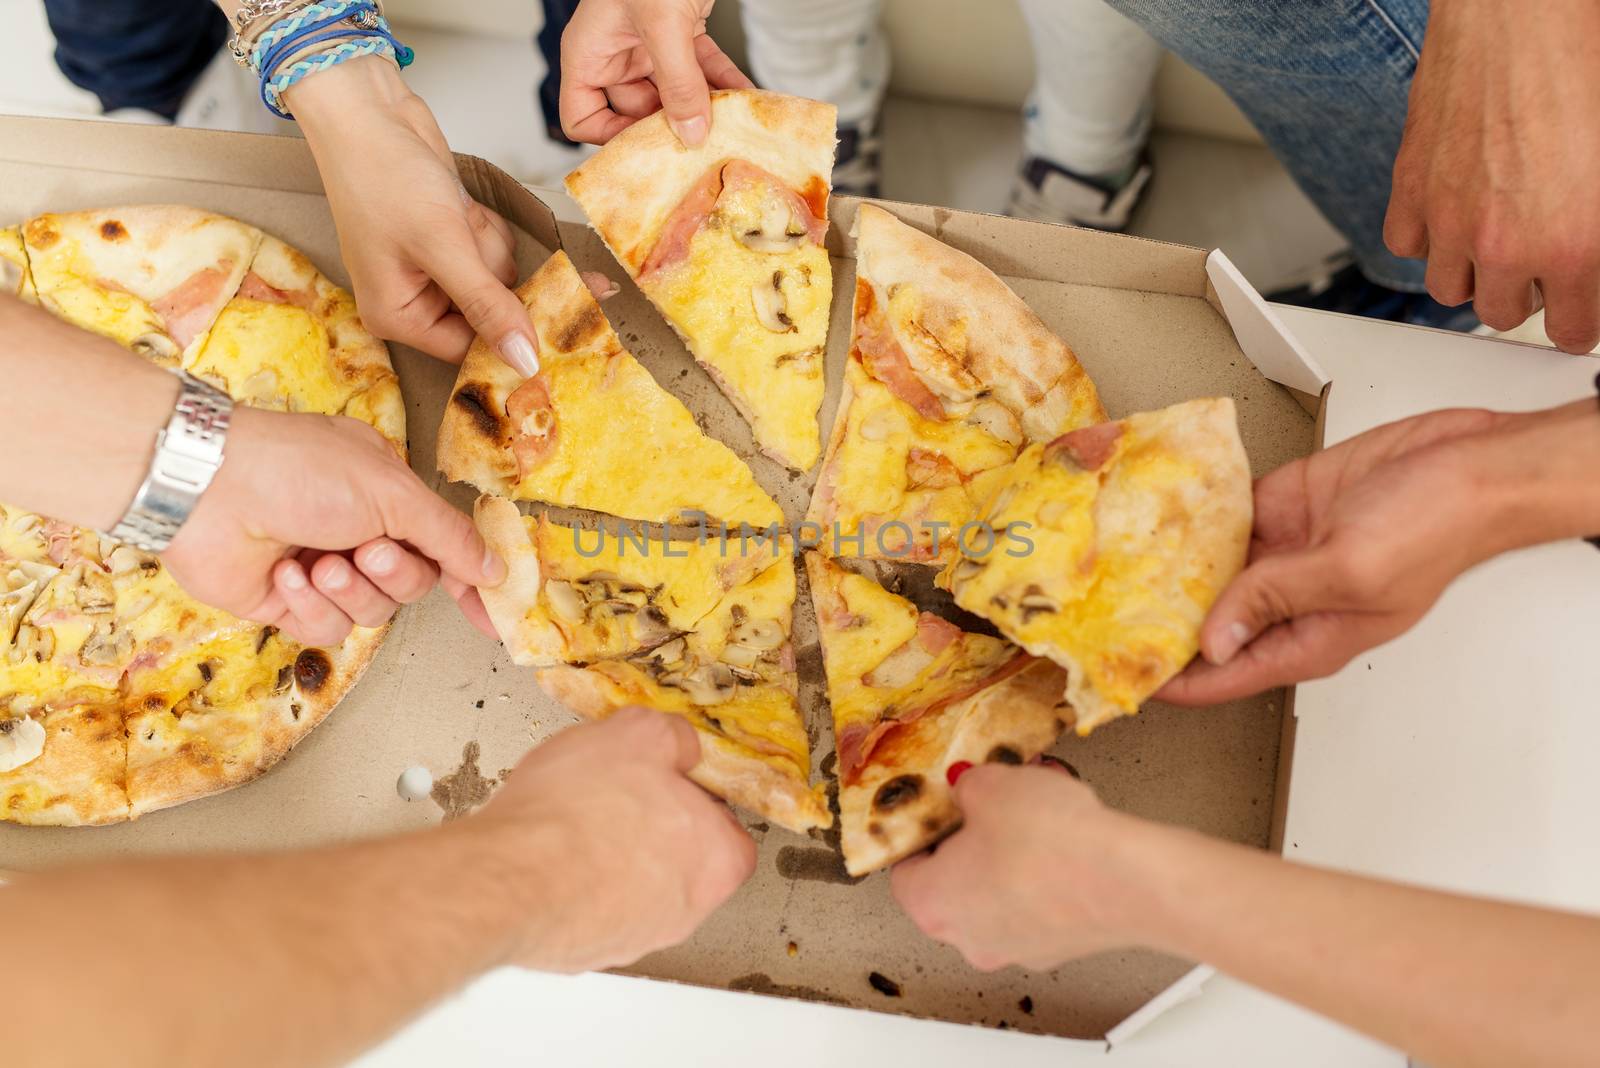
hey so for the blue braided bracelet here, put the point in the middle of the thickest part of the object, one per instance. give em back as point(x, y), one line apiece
point(356, 25)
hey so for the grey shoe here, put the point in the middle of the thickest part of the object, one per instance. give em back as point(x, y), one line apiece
point(1045, 191)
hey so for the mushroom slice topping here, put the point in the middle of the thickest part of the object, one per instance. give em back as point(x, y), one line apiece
point(21, 741)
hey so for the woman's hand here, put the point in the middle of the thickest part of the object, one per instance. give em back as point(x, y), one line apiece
point(431, 267)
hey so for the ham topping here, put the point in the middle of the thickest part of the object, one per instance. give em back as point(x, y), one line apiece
point(880, 353)
point(691, 214)
point(533, 424)
point(188, 307)
point(1089, 447)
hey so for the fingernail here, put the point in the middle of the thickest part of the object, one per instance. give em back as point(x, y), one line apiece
point(294, 577)
point(1227, 647)
point(1056, 762)
point(518, 351)
point(690, 131)
point(336, 576)
point(494, 568)
point(956, 770)
point(382, 558)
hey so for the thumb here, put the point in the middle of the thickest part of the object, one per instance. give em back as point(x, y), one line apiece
point(415, 514)
point(454, 260)
point(681, 84)
point(1272, 590)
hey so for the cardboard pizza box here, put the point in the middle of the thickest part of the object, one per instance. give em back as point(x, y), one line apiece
point(1153, 323)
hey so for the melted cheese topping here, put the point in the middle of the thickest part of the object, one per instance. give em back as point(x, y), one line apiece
point(273, 356)
point(776, 379)
point(1110, 617)
point(14, 275)
point(870, 480)
point(622, 474)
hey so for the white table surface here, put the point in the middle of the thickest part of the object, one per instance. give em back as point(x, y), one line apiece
point(1380, 373)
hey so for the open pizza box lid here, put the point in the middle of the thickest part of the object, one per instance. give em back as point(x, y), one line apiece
point(1153, 323)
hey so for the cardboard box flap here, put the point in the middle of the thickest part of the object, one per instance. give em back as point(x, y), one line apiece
point(493, 187)
point(1261, 333)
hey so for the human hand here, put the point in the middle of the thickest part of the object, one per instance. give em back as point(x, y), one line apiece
point(315, 525)
point(637, 856)
point(1492, 181)
point(430, 266)
point(624, 59)
point(1351, 546)
point(1027, 878)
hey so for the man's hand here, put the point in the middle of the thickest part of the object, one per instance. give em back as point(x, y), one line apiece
point(313, 524)
point(1350, 547)
point(1024, 880)
point(1494, 180)
point(430, 266)
point(640, 856)
point(624, 59)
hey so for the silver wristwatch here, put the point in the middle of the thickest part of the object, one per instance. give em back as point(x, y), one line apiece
point(188, 453)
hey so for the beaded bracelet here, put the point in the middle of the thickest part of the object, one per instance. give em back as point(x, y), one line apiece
point(316, 37)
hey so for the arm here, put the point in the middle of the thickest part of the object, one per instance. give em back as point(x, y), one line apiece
point(430, 266)
point(1354, 544)
point(1500, 145)
point(281, 536)
point(596, 851)
point(1042, 873)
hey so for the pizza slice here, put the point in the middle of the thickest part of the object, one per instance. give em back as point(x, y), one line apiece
point(1132, 529)
point(63, 766)
point(152, 278)
point(573, 595)
point(726, 239)
point(913, 695)
point(949, 376)
point(15, 278)
point(291, 340)
point(733, 678)
point(592, 429)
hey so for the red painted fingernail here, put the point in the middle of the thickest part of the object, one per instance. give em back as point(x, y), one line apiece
point(956, 770)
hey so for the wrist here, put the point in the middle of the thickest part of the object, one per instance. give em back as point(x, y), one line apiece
point(529, 872)
point(1539, 476)
point(147, 404)
point(329, 98)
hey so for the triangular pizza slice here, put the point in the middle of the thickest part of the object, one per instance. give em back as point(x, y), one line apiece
point(949, 376)
point(152, 278)
point(592, 429)
point(698, 629)
point(913, 695)
point(1121, 536)
point(726, 239)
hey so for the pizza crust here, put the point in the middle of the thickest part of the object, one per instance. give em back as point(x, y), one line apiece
point(1012, 721)
point(630, 187)
point(726, 770)
point(531, 640)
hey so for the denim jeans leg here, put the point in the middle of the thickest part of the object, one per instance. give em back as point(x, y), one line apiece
point(1326, 82)
point(136, 53)
point(557, 13)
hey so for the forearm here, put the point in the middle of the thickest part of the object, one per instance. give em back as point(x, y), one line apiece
point(1449, 979)
point(81, 411)
point(293, 959)
point(1542, 473)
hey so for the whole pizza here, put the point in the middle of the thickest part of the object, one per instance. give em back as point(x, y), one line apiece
point(119, 693)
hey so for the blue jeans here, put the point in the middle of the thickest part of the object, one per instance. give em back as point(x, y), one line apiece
point(136, 53)
point(1326, 82)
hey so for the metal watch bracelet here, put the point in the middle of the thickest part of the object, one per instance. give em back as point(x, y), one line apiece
point(187, 456)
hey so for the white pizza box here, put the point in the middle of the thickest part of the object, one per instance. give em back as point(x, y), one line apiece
point(1153, 323)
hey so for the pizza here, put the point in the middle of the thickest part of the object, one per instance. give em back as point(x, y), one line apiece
point(119, 693)
point(913, 695)
point(592, 429)
point(697, 629)
point(151, 278)
point(726, 239)
point(15, 278)
point(949, 375)
point(1126, 534)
